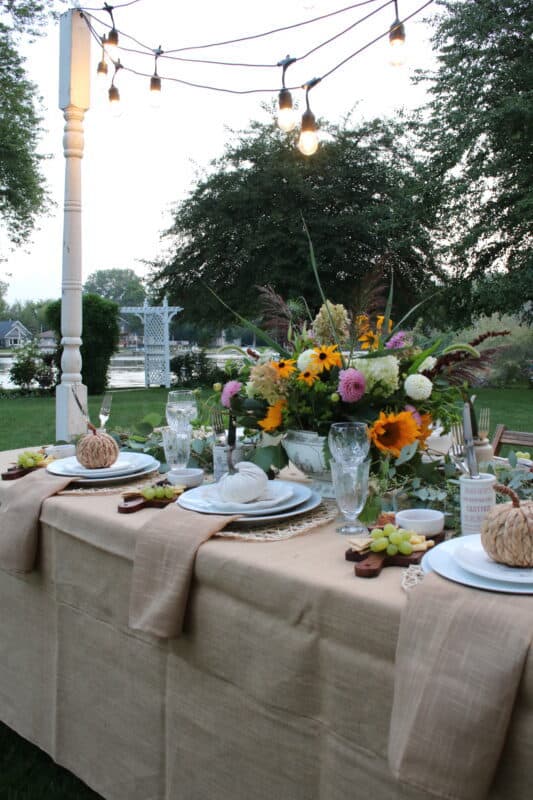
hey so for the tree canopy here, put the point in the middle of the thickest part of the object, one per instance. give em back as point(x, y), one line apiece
point(123, 286)
point(479, 136)
point(22, 185)
point(241, 225)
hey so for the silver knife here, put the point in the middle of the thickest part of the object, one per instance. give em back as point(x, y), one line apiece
point(470, 452)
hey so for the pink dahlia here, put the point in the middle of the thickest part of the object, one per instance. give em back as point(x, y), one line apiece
point(230, 388)
point(351, 385)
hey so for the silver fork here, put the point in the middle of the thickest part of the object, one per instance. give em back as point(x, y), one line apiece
point(458, 435)
point(484, 423)
point(219, 427)
point(456, 454)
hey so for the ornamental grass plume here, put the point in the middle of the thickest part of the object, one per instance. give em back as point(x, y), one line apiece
point(322, 324)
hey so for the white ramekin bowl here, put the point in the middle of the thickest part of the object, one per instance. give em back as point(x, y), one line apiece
point(421, 520)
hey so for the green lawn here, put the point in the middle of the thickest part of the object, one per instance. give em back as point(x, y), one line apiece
point(30, 421)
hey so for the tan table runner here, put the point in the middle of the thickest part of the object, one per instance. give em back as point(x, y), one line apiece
point(459, 660)
point(163, 567)
point(20, 509)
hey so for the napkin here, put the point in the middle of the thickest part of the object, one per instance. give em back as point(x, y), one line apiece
point(274, 496)
point(20, 509)
point(163, 567)
point(459, 661)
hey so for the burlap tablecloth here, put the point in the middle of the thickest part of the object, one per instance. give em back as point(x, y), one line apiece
point(281, 686)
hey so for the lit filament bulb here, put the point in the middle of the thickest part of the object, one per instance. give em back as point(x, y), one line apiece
point(286, 113)
point(397, 43)
point(114, 100)
point(155, 91)
point(112, 44)
point(308, 141)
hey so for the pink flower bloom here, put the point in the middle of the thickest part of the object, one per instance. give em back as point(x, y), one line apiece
point(351, 385)
point(396, 341)
point(230, 388)
point(414, 412)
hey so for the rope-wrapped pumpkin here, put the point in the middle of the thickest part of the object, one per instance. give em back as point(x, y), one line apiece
point(96, 449)
point(507, 531)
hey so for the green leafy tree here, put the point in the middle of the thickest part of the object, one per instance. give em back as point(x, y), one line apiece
point(3, 304)
point(32, 314)
point(122, 286)
point(100, 336)
point(22, 186)
point(479, 134)
point(241, 226)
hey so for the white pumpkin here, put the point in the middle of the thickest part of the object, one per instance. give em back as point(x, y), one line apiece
point(247, 484)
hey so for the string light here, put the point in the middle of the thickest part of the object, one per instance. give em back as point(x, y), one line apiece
point(114, 94)
point(101, 69)
point(286, 113)
point(155, 82)
point(397, 40)
point(112, 36)
point(308, 141)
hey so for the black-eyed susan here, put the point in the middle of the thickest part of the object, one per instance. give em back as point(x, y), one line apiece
point(284, 367)
point(308, 377)
point(326, 357)
point(369, 340)
point(379, 323)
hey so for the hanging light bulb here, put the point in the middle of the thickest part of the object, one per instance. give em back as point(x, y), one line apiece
point(114, 100)
point(286, 113)
point(155, 83)
point(308, 141)
point(112, 44)
point(102, 69)
point(397, 40)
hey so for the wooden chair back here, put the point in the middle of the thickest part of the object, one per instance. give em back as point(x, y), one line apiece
point(503, 435)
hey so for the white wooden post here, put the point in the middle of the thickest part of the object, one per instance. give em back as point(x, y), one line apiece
point(74, 87)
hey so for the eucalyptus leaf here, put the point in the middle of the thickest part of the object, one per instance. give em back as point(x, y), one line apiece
point(406, 453)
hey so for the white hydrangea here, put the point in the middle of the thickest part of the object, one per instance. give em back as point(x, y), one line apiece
point(418, 387)
point(427, 364)
point(305, 360)
point(249, 389)
point(382, 375)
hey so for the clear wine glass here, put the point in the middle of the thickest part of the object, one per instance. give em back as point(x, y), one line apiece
point(181, 408)
point(105, 410)
point(349, 442)
point(177, 447)
point(351, 489)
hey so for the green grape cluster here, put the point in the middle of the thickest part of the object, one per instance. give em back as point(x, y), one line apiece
point(30, 458)
point(158, 493)
point(392, 540)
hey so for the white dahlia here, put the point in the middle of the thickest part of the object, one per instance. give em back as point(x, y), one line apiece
point(418, 387)
point(305, 360)
point(427, 364)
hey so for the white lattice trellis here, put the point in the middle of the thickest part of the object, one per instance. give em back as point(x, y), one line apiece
point(156, 320)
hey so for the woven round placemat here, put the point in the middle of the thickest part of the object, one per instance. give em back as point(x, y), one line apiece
point(132, 484)
point(326, 512)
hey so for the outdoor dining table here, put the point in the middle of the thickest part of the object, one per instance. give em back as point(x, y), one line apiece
point(280, 687)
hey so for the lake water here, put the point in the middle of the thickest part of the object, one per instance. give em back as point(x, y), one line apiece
point(126, 371)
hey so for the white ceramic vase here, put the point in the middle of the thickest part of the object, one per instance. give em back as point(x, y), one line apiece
point(306, 451)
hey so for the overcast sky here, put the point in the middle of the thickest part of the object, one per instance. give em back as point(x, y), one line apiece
point(137, 166)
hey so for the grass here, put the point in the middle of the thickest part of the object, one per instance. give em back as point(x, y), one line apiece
point(30, 421)
point(26, 773)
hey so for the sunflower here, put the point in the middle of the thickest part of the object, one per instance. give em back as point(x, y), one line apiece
point(284, 367)
point(308, 377)
point(274, 416)
point(424, 429)
point(391, 432)
point(326, 357)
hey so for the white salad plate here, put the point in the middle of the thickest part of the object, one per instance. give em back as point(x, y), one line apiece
point(310, 504)
point(288, 493)
point(472, 557)
point(441, 559)
point(127, 465)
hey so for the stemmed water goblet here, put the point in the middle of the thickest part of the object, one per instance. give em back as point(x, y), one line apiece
point(181, 409)
point(105, 410)
point(350, 482)
point(349, 442)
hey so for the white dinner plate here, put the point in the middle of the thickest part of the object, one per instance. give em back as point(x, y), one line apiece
point(125, 464)
point(472, 557)
point(441, 559)
point(277, 494)
point(194, 500)
point(309, 505)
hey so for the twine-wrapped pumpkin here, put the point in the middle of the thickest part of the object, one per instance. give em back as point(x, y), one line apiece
point(96, 449)
point(507, 531)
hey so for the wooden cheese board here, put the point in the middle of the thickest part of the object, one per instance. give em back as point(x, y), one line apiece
point(136, 503)
point(12, 473)
point(369, 565)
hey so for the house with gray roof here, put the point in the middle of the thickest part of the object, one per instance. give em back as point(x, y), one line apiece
point(13, 333)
